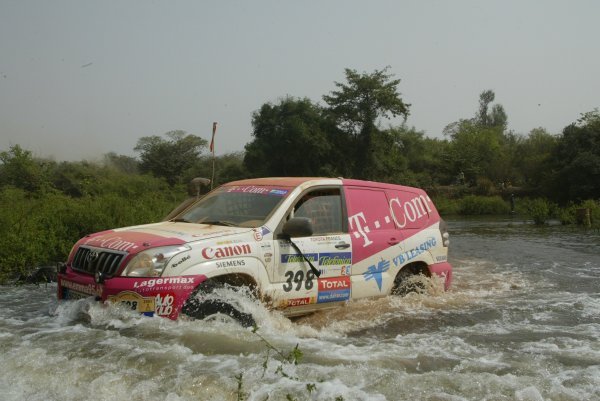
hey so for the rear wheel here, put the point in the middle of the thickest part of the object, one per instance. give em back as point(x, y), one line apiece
point(205, 304)
point(410, 279)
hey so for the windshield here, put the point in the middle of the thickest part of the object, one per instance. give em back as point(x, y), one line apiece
point(240, 206)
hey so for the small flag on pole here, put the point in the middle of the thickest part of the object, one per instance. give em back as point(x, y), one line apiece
point(212, 141)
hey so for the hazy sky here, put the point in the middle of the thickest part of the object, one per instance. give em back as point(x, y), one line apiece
point(82, 78)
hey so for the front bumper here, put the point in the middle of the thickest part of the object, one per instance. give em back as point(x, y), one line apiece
point(161, 296)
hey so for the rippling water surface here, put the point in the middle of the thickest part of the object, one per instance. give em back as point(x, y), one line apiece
point(521, 322)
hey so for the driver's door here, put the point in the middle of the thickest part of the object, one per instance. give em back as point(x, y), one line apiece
point(329, 249)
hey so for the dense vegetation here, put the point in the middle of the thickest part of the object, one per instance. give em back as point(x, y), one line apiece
point(478, 167)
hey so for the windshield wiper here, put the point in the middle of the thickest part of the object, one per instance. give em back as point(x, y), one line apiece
point(219, 223)
point(179, 220)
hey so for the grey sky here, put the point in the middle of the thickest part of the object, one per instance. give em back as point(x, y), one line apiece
point(82, 78)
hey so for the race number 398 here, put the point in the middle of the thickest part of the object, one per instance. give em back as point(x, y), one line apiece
point(295, 280)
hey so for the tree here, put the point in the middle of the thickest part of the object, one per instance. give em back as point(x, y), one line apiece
point(122, 163)
point(494, 118)
point(480, 148)
point(228, 167)
point(358, 105)
point(19, 169)
point(532, 155)
point(475, 150)
point(576, 160)
point(169, 158)
point(426, 163)
point(289, 140)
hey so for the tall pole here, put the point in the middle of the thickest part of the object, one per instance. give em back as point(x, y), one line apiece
point(212, 149)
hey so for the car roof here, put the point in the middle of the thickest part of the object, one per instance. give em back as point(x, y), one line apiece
point(276, 181)
point(296, 181)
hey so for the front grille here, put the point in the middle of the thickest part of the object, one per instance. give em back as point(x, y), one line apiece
point(90, 260)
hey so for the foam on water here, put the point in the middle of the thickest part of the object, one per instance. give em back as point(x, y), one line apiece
point(511, 328)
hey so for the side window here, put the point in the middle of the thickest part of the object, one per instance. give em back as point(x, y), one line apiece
point(323, 208)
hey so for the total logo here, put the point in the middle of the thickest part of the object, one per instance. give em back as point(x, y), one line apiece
point(327, 284)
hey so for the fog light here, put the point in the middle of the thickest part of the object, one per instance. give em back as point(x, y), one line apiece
point(99, 277)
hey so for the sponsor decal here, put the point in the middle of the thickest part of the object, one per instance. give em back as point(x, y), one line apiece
point(252, 189)
point(73, 295)
point(414, 252)
point(260, 232)
point(226, 251)
point(411, 211)
point(441, 258)
point(188, 257)
point(116, 243)
point(88, 289)
point(163, 304)
point(325, 260)
point(374, 272)
point(151, 283)
point(326, 238)
point(335, 258)
point(297, 302)
point(334, 283)
point(279, 192)
point(346, 270)
point(231, 263)
point(134, 301)
point(334, 289)
point(295, 258)
point(211, 233)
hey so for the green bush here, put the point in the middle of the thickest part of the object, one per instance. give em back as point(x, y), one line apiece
point(446, 206)
point(539, 209)
point(483, 205)
point(594, 207)
point(568, 214)
point(40, 229)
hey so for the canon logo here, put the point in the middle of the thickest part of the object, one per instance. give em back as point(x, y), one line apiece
point(226, 251)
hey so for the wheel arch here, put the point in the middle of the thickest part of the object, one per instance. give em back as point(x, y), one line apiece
point(407, 271)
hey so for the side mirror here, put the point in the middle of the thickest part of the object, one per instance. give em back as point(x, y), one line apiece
point(297, 227)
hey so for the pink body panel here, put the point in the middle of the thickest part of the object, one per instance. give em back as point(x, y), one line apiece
point(384, 215)
point(159, 296)
point(443, 270)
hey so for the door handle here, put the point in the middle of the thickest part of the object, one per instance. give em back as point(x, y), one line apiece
point(342, 245)
point(393, 241)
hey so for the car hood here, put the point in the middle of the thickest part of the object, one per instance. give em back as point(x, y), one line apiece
point(136, 239)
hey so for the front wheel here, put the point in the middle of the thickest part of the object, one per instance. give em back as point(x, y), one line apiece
point(206, 303)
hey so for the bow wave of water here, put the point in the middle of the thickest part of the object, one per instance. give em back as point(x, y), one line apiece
point(521, 322)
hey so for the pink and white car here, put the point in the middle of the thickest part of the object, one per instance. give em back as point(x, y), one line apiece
point(300, 245)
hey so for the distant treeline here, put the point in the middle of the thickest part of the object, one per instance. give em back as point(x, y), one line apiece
point(479, 167)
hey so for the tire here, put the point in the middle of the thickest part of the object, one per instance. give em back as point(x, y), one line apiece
point(200, 306)
point(406, 282)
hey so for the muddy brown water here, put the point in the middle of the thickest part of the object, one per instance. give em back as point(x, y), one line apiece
point(521, 322)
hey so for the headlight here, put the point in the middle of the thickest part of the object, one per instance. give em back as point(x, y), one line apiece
point(152, 262)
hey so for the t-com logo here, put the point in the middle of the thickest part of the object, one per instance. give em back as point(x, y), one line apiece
point(401, 213)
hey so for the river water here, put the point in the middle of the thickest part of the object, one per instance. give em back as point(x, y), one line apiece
point(521, 322)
